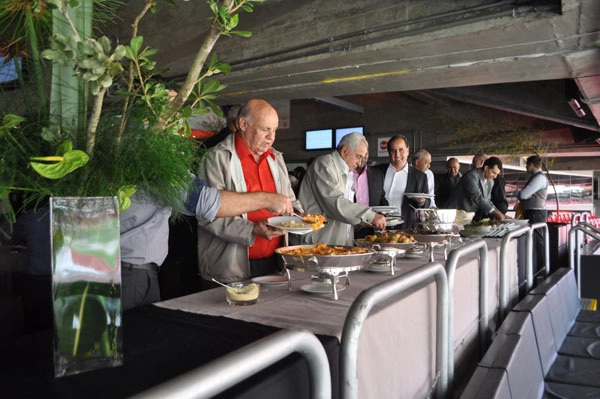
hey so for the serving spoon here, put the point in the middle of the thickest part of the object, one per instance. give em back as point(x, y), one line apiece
point(220, 283)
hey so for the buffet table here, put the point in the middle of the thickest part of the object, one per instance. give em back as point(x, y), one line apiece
point(404, 329)
point(161, 341)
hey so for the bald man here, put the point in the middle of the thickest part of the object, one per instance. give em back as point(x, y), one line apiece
point(446, 182)
point(242, 247)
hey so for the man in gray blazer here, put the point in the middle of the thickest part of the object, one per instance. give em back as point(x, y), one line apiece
point(327, 189)
point(474, 189)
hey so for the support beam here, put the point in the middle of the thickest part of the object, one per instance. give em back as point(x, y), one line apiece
point(345, 105)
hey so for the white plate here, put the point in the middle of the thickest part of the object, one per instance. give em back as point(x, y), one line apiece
point(418, 195)
point(386, 210)
point(271, 279)
point(393, 220)
point(277, 220)
point(321, 288)
point(380, 268)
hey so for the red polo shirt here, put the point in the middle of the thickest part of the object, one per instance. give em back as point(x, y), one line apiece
point(257, 176)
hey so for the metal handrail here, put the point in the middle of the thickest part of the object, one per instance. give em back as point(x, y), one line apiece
point(575, 247)
point(575, 219)
point(503, 305)
point(217, 376)
point(544, 225)
point(363, 304)
point(451, 265)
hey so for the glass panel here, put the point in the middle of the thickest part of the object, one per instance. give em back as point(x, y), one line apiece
point(86, 283)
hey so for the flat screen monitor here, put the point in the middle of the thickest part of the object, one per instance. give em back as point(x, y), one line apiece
point(341, 132)
point(320, 139)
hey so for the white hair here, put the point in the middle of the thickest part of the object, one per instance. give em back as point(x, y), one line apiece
point(352, 140)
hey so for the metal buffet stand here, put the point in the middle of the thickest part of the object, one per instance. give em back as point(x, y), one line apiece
point(327, 268)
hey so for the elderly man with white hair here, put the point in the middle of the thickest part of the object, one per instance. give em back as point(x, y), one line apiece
point(421, 160)
point(327, 189)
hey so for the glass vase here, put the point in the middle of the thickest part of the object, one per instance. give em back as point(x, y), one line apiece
point(86, 284)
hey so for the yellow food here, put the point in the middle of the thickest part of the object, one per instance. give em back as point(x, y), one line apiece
point(294, 225)
point(316, 221)
point(388, 238)
point(322, 249)
point(249, 292)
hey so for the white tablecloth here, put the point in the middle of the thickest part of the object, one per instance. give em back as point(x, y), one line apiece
point(397, 346)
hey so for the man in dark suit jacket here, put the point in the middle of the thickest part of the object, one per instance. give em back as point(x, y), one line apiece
point(400, 178)
point(499, 194)
point(499, 190)
point(445, 183)
point(473, 192)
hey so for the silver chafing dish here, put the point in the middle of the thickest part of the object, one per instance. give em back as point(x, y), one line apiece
point(329, 267)
point(387, 255)
point(433, 220)
point(435, 215)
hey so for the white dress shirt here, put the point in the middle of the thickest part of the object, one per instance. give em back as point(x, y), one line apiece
point(431, 187)
point(394, 185)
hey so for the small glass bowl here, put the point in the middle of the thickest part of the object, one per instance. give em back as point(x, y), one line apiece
point(242, 293)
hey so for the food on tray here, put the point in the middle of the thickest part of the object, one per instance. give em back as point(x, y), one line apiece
point(432, 229)
point(483, 222)
point(463, 217)
point(478, 228)
point(316, 221)
point(292, 224)
point(390, 238)
point(243, 293)
point(322, 249)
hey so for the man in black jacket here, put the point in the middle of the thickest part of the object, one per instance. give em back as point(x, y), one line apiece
point(446, 182)
point(498, 194)
point(400, 179)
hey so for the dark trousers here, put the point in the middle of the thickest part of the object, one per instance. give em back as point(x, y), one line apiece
point(539, 253)
point(139, 285)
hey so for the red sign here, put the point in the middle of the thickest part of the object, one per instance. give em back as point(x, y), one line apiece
point(383, 145)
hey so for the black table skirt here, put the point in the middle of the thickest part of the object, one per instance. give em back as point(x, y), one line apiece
point(158, 344)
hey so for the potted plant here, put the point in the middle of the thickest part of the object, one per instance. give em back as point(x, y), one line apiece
point(97, 120)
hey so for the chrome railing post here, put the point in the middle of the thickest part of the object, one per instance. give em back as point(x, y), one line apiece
point(502, 273)
point(363, 304)
point(451, 266)
point(220, 374)
point(544, 226)
point(575, 247)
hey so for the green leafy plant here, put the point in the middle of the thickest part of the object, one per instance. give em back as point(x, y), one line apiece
point(491, 132)
point(81, 142)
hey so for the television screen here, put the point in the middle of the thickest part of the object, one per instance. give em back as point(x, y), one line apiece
point(341, 132)
point(319, 139)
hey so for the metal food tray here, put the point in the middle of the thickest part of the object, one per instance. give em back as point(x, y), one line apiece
point(434, 237)
point(320, 262)
point(361, 242)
